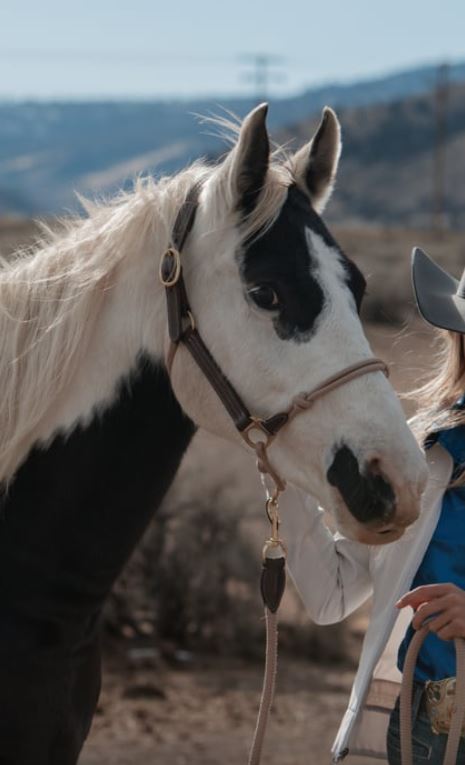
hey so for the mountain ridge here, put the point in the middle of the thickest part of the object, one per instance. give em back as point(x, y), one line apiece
point(50, 149)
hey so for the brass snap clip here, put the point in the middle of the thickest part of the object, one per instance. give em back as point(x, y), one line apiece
point(170, 267)
point(273, 516)
point(274, 546)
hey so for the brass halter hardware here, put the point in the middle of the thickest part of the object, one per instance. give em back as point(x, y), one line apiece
point(257, 426)
point(170, 273)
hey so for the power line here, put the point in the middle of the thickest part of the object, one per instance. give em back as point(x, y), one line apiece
point(115, 56)
point(441, 98)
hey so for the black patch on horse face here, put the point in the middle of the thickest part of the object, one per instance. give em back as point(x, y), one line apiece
point(368, 496)
point(281, 259)
point(355, 280)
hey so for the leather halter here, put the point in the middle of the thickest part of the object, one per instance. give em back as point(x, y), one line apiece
point(257, 432)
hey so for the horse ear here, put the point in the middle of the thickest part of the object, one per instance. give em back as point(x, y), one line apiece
point(249, 160)
point(314, 166)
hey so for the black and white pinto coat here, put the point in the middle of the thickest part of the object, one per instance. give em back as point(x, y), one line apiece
point(92, 429)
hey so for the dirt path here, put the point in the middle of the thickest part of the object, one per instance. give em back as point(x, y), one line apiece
point(205, 716)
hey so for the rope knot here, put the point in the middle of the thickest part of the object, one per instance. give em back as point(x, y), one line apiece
point(301, 402)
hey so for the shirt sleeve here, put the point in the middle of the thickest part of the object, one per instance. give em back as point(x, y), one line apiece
point(331, 573)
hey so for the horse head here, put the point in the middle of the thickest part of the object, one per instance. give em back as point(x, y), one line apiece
point(277, 303)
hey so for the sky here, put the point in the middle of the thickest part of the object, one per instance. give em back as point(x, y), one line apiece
point(189, 48)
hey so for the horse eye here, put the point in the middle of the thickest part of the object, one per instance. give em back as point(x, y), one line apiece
point(264, 297)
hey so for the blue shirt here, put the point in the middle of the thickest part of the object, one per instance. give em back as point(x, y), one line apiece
point(444, 561)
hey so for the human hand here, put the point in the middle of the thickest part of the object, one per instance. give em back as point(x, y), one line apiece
point(442, 605)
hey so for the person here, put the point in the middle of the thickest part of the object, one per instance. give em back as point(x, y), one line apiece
point(423, 571)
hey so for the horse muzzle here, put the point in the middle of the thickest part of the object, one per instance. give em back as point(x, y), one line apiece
point(371, 506)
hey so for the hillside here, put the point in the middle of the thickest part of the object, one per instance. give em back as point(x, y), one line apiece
point(386, 172)
point(49, 150)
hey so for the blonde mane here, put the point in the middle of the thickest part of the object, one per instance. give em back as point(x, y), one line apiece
point(52, 296)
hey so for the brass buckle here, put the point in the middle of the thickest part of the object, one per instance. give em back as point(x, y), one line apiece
point(174, 272)
point(256, 424)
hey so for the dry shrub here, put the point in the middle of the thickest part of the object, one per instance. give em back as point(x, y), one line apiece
point(193, 585)
point(201, 581)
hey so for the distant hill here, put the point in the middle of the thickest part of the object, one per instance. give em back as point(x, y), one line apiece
point(49, 150)
point(386, 171)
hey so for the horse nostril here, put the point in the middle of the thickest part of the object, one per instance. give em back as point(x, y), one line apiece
point(382, 489)
point(374, 466)
point(386, 530)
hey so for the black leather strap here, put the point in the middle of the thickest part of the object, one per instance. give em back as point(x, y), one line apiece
point(181, 324)
point(230, 399)
point(186, 217)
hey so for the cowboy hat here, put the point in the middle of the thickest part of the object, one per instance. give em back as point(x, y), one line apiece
point(440, 297)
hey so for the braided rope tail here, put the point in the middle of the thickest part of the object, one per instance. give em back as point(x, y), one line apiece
point(272, 585)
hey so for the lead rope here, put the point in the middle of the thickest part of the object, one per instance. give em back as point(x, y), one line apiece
point(272, 585)
point(458, 717)
point(269, 680)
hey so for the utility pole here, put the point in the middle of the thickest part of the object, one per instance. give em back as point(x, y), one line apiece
point(441, 97)
point(262, 74)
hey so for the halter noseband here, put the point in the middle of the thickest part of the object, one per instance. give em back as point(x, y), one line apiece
point(257, 432)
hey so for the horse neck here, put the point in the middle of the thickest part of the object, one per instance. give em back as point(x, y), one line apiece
point(77, 507)
point(96, 467)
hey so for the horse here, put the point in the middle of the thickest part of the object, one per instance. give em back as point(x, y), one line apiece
point(94, 421)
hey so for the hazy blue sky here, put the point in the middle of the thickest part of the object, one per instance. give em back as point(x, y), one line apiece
point(178, 47)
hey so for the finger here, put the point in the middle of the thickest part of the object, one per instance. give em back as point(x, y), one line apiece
point(433, 608)
point(423, 594)
point(426, 592)
point(424, 612)
point(455, 629)
point(438, 624)
point(449, 632)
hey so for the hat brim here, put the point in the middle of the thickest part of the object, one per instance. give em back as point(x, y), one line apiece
point(435, 291)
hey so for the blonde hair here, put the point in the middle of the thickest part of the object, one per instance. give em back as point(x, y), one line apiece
point(436, 398)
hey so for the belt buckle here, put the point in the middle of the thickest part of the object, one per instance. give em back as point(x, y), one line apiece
point(440, 704)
